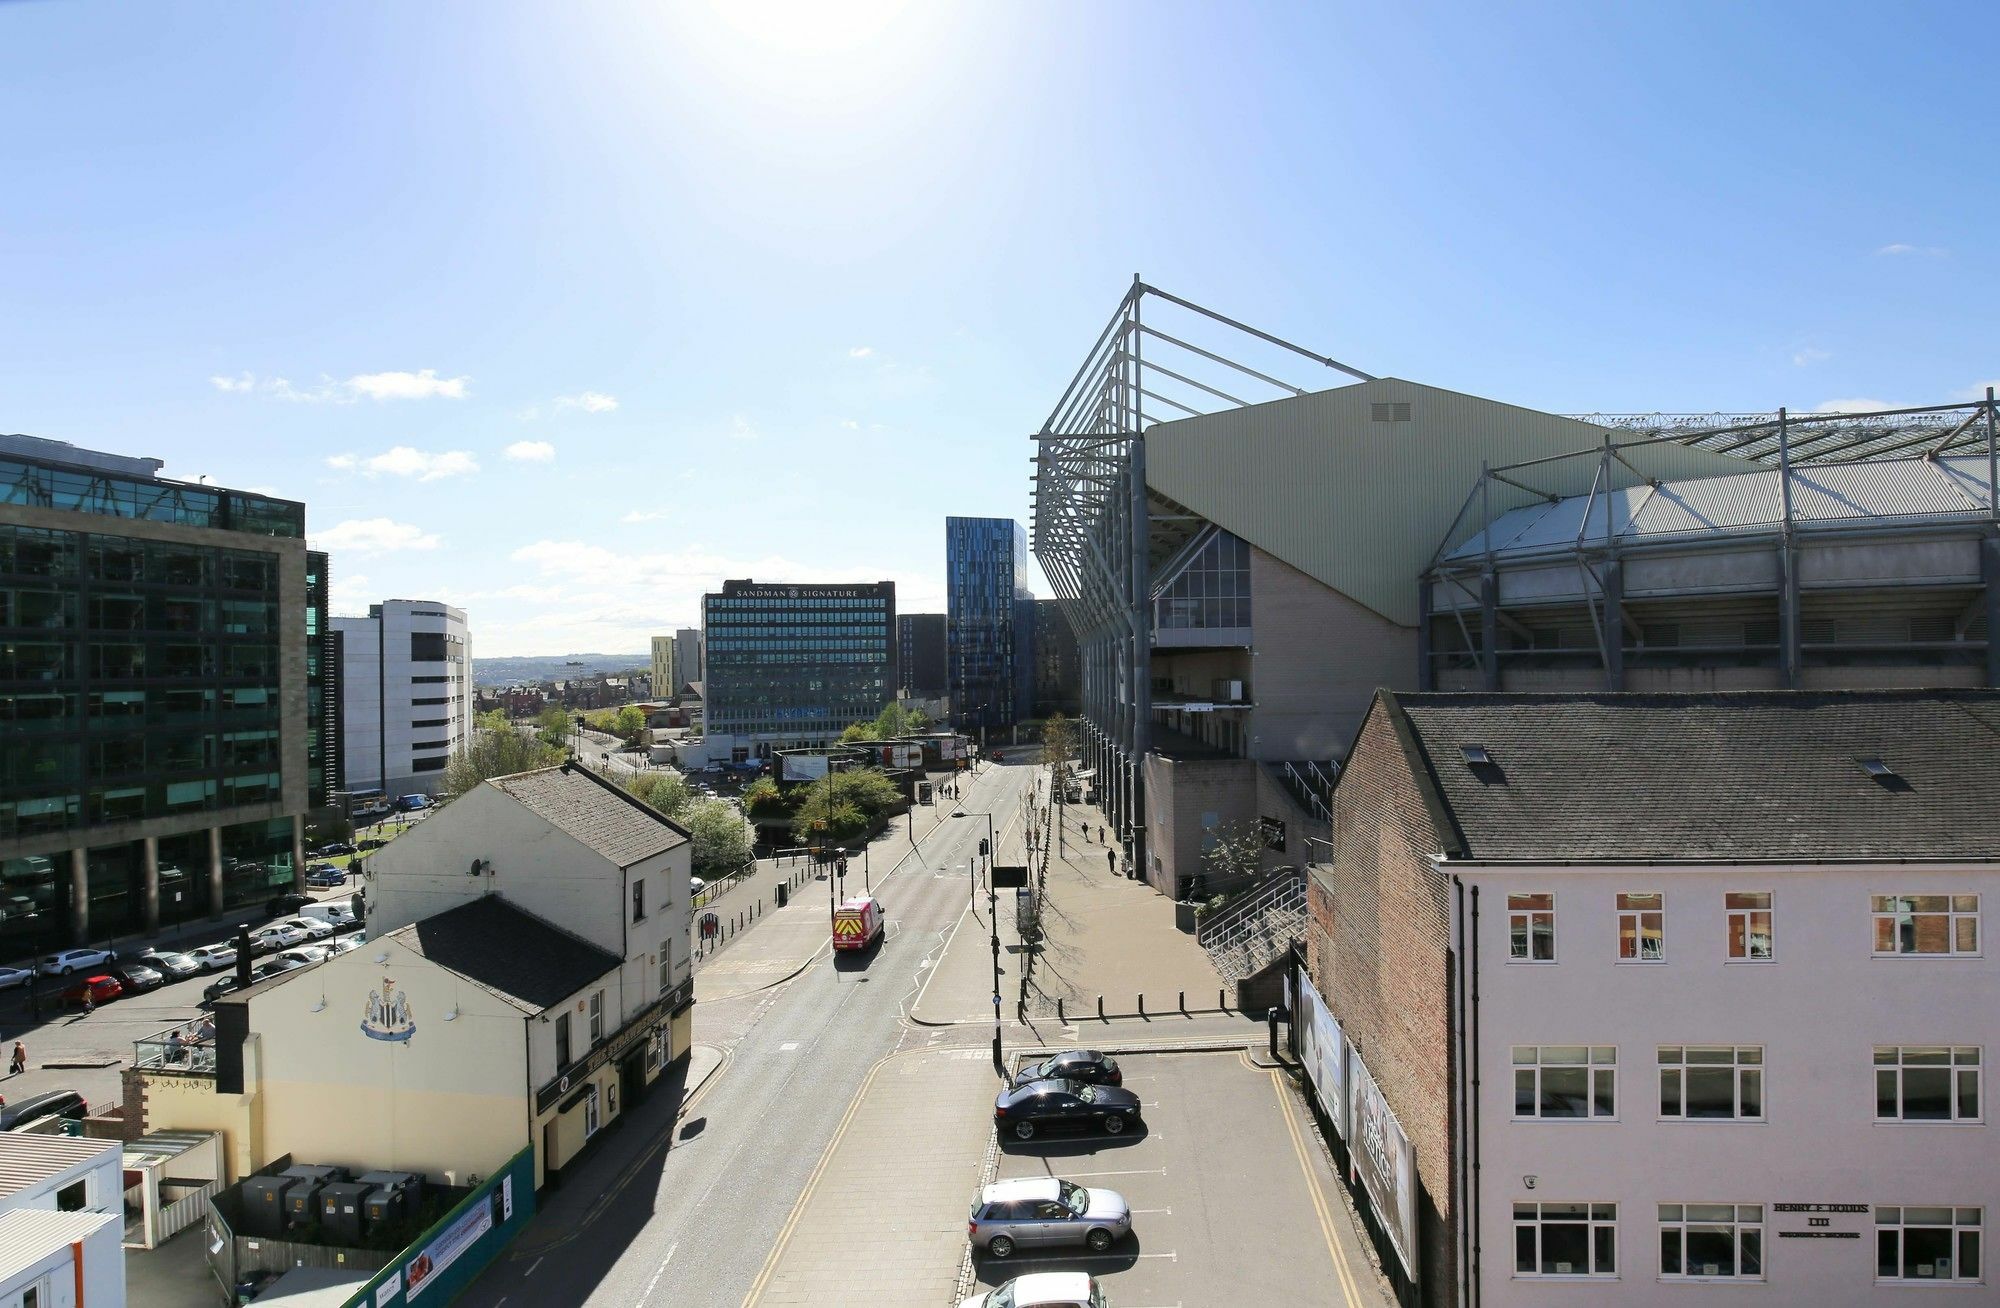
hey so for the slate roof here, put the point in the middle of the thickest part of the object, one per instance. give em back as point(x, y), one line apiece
point(1771, 775)
point(594, 812)
point(526, 960)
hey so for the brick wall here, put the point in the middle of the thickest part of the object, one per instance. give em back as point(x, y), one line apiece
point(1379, 950)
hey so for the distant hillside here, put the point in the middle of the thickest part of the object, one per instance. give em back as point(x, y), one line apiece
point(560, 667)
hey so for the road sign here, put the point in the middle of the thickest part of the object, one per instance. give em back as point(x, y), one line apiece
point(1009, 875)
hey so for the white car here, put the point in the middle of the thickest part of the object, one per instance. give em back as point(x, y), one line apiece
point(1043, 1290)
point(313, 927)
point(15, 976)
point(304, 954)
point(341, 945)
point(76, 960)
point(278, 935)
point(213, 958)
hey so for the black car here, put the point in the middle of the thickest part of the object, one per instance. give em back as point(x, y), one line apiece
point(286, 905)
point(1085, 1065)
point(1027, 1110)
point(337, 847)
point(136, 977)
point(217, 988)
point(55, 1103)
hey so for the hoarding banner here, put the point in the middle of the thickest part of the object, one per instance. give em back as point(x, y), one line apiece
point(1383, 1158)
point(457, 1238)
point(1323, 1051)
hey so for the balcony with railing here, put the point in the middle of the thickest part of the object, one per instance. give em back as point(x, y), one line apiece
point(186, 1049)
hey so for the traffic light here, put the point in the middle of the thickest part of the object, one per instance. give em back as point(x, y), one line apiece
point(985, 847)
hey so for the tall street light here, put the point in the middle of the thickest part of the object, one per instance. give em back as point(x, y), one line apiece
point(993, 922)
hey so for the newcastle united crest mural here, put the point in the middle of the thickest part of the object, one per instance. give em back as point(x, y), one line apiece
point(388, 1014)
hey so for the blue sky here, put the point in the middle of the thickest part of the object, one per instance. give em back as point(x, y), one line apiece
point(567, 312)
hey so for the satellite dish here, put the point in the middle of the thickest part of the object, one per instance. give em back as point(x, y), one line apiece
point(479, 865)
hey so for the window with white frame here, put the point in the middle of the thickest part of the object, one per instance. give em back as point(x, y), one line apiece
point(1642, 928)
point(596, 1016)
point(666, 966)
point(1712, 1082)
point(1531, 928)
point(1927, 1244)
point(1925, 924)
point(1703, 1240)
point(1927, 1083)
point(1565, 1081)
point(1552, 1239)
point(1750, 924)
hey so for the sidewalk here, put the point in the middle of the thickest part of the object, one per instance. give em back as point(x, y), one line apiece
point(1102, 935)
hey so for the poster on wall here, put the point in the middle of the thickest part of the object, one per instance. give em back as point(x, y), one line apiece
point(455, 1239)
point(1274, 833)
point(1323, 1053)
point(1384, 1160)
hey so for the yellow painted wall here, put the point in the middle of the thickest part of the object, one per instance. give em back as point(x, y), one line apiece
point(190, 1103)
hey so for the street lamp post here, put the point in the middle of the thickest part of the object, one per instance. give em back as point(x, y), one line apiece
point(993, 924)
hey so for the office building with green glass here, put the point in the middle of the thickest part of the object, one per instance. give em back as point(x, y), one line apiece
point(792, 666)
point(161, 643)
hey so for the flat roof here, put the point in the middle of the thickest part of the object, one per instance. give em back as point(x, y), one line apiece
point(27, 1160)
point(29, 1235)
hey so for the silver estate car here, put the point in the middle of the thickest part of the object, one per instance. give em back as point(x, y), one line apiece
point(1046, 1210)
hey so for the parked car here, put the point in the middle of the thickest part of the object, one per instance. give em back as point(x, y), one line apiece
point(283, 905)
point(1042, 1211)
point(54, 1103)
point(289, 961)
point(101, 988)
point(337, 915)
point(325, 875)
point(134, 978)
point(213, 958)
point(304, 954)
point(76, 960)
point(696, 885)
point(1042, 1290)
point(341, 944)
point(171, 962)
point(216, 989)
point(312, 926)
point(1085, 1065)
point(277, 935)
point(330, 850)
point(1023, 1111)
point(15, 976)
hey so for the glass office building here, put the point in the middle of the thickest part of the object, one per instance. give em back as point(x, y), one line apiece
point(921, 668)
point(153, 712)
point(793, 666)
point(990, 622)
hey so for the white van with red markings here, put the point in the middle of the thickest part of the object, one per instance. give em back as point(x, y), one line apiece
point(857, 923)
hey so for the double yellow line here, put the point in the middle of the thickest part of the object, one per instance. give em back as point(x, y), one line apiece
point(1340, 1264)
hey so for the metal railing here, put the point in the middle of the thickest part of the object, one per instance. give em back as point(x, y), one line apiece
point(179, 1048)
point(1229, 925)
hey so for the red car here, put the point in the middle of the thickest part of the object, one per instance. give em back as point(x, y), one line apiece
point(102, 990)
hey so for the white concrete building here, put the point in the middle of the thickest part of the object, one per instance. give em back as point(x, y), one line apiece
point(405, 695)
point(1660, 997)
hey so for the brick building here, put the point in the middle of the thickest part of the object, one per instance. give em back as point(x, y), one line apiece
point(1594, 980)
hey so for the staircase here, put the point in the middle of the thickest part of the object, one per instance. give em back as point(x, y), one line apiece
point(1244, 935)
point(1311, 784)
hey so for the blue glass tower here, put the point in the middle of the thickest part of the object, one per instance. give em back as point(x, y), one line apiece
point(989, 620)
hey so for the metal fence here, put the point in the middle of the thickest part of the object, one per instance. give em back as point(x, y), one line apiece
point(439, 1264)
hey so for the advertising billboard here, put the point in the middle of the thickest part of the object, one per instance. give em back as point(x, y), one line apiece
point(1383, 1160)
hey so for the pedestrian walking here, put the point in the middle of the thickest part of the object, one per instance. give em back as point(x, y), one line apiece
point(89, 1000)
point(1111, 860)
point(20, 1060)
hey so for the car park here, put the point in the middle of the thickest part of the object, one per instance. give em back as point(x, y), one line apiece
point(1026, 1111)
point(172, 963)
point(1086, 1065)
point(54, 1103)
point(1043, 1290)
point(134, 978)
point(102, 989)
point(15, 976)
point(76, 960)
point(1043, 1211)
point(213, 958)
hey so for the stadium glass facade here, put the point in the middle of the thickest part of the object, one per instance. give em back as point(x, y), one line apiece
point(792, 666)
point(990, 622)
point(153, 726)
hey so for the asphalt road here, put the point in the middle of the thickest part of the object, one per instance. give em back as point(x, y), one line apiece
point(694, 1224)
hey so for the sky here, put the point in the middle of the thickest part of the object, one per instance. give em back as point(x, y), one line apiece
point(565, 313)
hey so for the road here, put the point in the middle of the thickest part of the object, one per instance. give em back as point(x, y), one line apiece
point(694, 1224)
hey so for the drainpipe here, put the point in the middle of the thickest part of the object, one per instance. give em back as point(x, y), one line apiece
point(1461, 1157)
point(1476, 1234)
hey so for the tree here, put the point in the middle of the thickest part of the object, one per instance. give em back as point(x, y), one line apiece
point(629, 722)
point(857, 732)
point(496, 753)
point(762, 798)
point(553, 723)
point(850, 804)
point(1232, 852)
point(496, 720)
point(722, 839)
point(665, 791)
point(1058, 746)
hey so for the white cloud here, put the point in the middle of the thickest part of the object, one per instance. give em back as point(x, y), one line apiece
point(1805, 356)
point(1899, 248)
point(741, 429)
point(422, 385)
point(374, 536)
point(861, 352)
point(644, 515)
point(588, 401)
point(1852, 406)
point(1977, 391)
point(531, 452)
point(404, 461)
point(850, 424)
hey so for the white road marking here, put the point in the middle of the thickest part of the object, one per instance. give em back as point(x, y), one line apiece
point(1149, 1171)
point(1138, 1211)
point(788, 1046)
point(532, 1266)
point(1171, 1255)
point(657, 1274)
